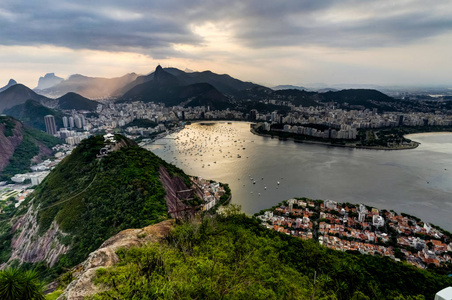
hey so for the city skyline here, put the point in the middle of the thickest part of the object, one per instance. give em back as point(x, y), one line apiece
point(266, 42)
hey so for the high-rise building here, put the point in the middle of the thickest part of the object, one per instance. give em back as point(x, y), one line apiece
point(82, 117)
point(274, 116)
point(71, 122)
point(49, 121)
point(78, 122)
point(65, 122)
point(400, 120)
point(253, 115)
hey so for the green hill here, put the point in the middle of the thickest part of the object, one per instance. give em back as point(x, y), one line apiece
point(75, 101)
point(363, 97)
point(18, 94)
point(32, 113)
point(84, 201)
point(19, 145)
point(233, 257)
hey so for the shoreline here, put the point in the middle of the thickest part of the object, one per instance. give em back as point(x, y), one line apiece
point(427, 133)
point(408, 136)
point(336, 145)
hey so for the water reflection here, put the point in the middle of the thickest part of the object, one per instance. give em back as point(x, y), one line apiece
point(417, 181)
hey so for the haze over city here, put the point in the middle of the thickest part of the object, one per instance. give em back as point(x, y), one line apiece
point(267, 42)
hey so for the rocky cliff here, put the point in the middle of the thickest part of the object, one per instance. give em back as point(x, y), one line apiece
point(83, 274)
point(28, 246)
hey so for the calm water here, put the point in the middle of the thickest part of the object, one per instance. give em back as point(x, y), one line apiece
point(418, 181)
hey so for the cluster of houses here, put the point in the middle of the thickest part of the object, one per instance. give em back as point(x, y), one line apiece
point(211, 192)
point(360, 228)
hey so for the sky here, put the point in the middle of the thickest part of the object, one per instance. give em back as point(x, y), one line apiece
point(270, 42)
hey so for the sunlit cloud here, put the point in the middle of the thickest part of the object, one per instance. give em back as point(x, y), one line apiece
point(265, 41)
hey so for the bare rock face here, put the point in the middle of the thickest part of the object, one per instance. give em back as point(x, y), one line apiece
point(83, 286)
point(28, 246)
point(9, 144)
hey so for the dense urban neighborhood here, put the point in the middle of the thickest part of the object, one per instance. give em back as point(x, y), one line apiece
point(349, 227)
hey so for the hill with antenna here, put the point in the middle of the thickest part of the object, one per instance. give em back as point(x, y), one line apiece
point(106, 185)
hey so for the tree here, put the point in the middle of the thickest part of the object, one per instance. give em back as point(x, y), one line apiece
point(15, 284)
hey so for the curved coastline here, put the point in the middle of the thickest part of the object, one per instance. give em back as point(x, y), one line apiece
point(410, 136)
point(338, 145)
point(414, 135)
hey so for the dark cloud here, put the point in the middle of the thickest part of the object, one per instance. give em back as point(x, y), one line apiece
point(151, 27)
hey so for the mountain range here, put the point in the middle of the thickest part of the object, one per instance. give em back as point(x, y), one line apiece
point(172, 86)
point(89, 87)
point(173, 90)
point(48, 80)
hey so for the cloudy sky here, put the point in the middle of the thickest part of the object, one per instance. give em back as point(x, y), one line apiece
point(270, 42)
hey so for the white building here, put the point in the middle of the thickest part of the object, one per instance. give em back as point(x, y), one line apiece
point(330, 204)
point(444, 294)
point(378, 221)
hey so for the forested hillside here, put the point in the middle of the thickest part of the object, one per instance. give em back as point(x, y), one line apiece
point(232, 257)
point(86, 200)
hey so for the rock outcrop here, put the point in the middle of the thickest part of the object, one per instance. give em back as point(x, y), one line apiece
point(105, 256)
point(28, 246)
point(11, 82)
point(49, 80)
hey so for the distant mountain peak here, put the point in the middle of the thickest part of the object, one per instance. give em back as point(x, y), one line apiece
point(162, 77)
point(11, 82)
point(49, 80)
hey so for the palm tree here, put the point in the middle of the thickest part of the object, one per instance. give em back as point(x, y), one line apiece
point(15, 284)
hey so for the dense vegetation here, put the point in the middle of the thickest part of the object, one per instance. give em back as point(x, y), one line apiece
point(231, 256)
point(98, 198)
point(8, 124)
point(32, 113)
point(20, 161)
point(396, 135)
